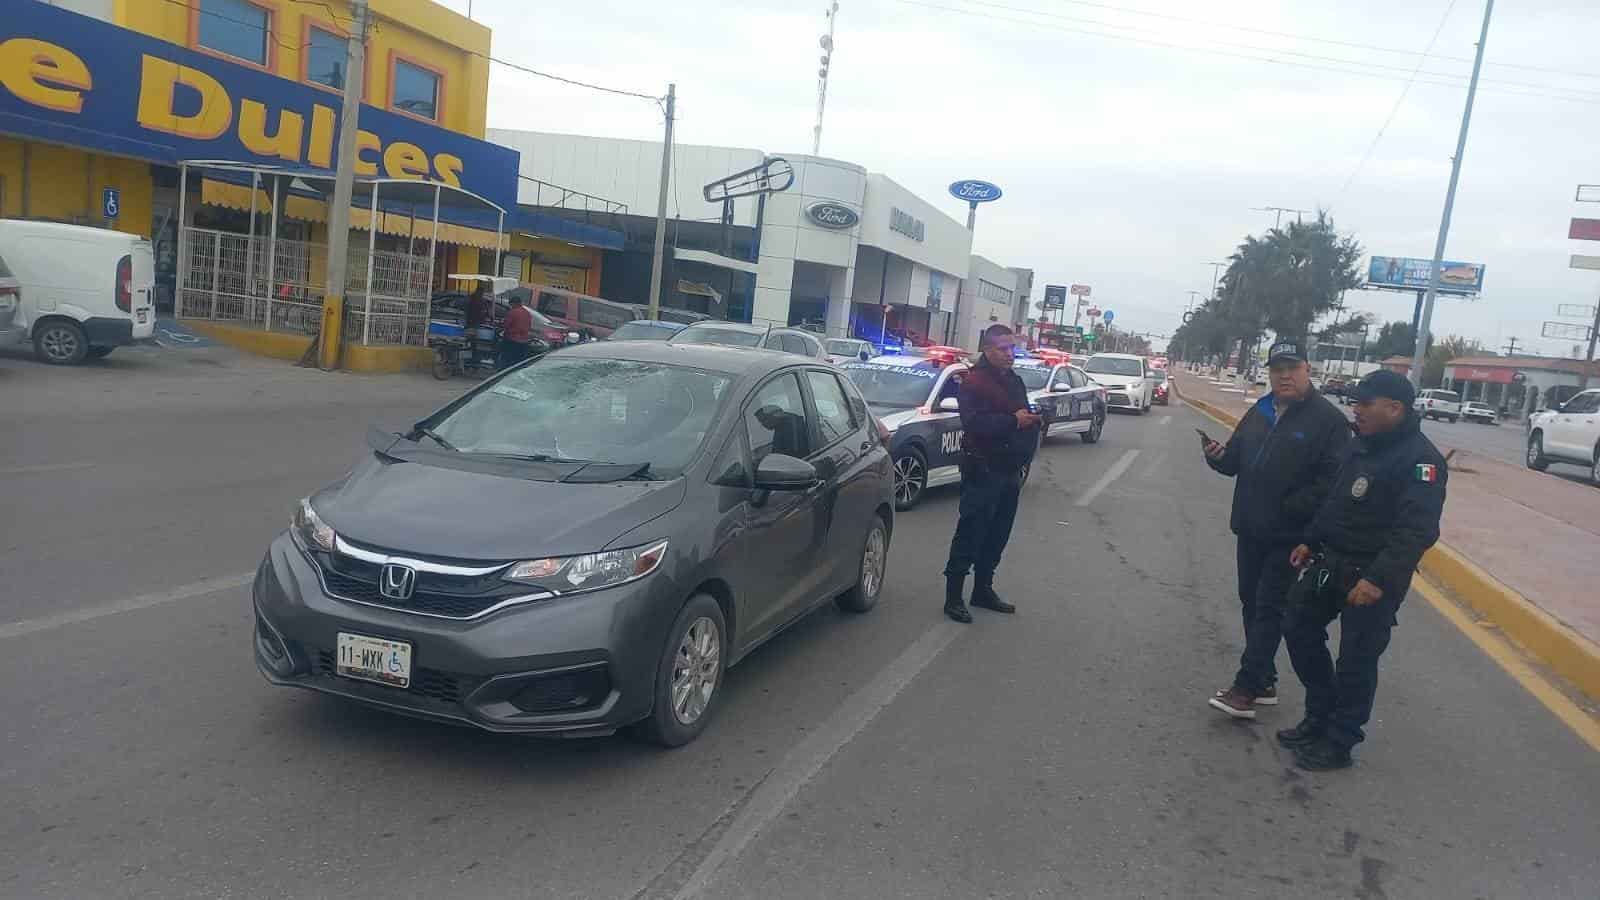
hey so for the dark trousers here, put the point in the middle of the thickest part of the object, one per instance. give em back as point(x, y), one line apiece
point(513, 353)
point(1264, 579)
point(988, 509)
point(1338, 695)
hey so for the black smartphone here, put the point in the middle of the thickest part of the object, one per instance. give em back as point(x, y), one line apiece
point(1204, 438)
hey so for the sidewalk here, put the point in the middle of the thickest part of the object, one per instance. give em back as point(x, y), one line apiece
point(1536, 533)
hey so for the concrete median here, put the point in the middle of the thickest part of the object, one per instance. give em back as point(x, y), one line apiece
point(1557, 628)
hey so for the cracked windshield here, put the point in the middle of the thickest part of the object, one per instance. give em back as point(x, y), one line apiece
point(799, 449)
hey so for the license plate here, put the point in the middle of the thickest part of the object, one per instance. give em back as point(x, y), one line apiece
point(374, 659)
point(144, 316)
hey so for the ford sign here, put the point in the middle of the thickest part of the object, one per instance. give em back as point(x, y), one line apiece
point(832, 215)
point(974, 191)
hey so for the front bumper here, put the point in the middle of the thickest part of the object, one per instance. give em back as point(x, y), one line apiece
point(569, 666)
point(1124, 400)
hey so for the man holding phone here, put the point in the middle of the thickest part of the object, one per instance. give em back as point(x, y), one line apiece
point(1283, 457)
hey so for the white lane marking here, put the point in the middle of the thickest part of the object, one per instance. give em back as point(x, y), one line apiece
point(47, 467)
point(126, 604)
point(810, 755)
point(1164, 420)
point(1112, 474)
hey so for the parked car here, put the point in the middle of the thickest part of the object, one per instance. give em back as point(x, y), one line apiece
point(1158, 386)
point(1068, 400)
point(74, 292)
point(592, 317)
point(642, 515)
point(646, 330)
point(738, 334)
point(1473, 411)
point(1124, 377)
point(842, 350)
point(1569, 434)
point(1437, 404)
point(915, 399)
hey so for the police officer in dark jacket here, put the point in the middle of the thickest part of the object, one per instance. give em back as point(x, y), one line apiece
point(999, 435)
point(1282, 456)
point(1356, 565)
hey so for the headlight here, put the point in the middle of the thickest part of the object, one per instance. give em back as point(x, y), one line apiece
point(309, 529)
point(591, 571)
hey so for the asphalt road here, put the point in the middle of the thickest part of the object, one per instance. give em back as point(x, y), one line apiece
point(1064, 752)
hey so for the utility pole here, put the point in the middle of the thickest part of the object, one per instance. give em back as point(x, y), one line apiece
point(1594, 332)
point(344, 175)
point(1511, 347)
point(1215, 267)
point(661, 206)
point(1449, 202)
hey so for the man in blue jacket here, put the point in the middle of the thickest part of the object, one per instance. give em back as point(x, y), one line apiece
point(1356, 565)
point(999, 434)
point(1283, 457)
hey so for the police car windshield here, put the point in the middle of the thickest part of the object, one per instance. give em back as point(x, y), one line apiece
point(1112, 365)
point(1034, 378)
point(839, 347)
point(894, 387)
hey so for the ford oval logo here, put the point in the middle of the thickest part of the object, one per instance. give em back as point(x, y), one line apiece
point(832, 215)
point(974, 191)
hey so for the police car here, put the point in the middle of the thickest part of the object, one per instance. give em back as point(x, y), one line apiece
point(1070, 401)
point(915, 399)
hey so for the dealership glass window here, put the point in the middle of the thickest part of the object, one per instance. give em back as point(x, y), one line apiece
point(325, 58)
point(238, 28)
point(415, 90)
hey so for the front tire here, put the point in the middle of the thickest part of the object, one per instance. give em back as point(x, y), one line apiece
point(1537, 461)
point(910, 479)
point(869, 577)
point(60, 343)
point(689, 675)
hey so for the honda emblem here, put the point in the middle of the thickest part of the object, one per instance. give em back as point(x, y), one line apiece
point(397, 582)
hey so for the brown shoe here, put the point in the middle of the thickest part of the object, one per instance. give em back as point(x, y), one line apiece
point(1269, 697)
point(1235, 703)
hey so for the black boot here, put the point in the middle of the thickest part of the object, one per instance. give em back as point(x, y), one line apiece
point(983, 595)
point(954, 605)
point(1323, 755)
point(1303, 735)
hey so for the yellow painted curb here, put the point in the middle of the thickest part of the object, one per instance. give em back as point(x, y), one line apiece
point(1569, 654)
point(291, 347)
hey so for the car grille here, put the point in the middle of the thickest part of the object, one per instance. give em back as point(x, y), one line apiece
point(445, 687)
point(435, 594)
point(1118, 398)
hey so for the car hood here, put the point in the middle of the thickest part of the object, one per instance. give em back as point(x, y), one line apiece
point(443, 511)
point(893, 417)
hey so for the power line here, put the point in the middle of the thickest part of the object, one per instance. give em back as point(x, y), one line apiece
point(1271, 33)
point(1398, 101)
point(1578, 95)
point(564, 80)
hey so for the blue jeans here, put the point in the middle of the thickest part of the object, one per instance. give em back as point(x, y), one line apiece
point(1264, 580)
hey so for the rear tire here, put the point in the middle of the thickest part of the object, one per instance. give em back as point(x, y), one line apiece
point(1536, 459)
point(60, 343)
point(910, 479)
point(1096, 426)
point(689, 675)
point(863, 596)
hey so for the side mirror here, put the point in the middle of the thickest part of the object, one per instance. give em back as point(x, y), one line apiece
point(949, 404)
point(777, 472)
point(1061, 387)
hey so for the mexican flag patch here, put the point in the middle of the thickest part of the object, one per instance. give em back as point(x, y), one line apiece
point(1427, 473)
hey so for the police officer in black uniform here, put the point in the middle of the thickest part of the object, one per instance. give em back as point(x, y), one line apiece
point(1356, 565)
point(999, 435)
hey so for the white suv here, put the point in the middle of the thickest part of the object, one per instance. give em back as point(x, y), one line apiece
point(1569, 434)
point(1436, 404)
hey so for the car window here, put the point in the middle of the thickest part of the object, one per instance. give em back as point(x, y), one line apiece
point(552, 304)
point(590, 410)
point(951, 388)
point(729, 468)
point(4, 272)
point(776, 420)
point(1583, 403)
point(601, 313)
point(1078, 378)
point(794, 343)
point(834, 418)
point(891, 386)
point(639, 331)
point(1034, 378)
point(726, 337)
point(1114, 365)
point(1445, 396)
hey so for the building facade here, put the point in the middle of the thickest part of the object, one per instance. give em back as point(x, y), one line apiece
point(988, 297)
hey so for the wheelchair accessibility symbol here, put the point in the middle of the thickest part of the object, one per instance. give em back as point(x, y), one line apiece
point(394, 661)
point(111, 203)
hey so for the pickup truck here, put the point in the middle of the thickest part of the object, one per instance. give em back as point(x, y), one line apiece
point(1567, 434)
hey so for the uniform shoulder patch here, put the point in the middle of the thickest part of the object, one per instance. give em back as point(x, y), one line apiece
point(1427, 473)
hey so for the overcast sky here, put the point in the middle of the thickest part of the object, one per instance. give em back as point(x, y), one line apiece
point(1131, 136)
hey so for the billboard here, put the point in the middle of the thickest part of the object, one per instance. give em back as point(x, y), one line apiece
point(1055, 296)
point(1406, 273)
point(74, 80)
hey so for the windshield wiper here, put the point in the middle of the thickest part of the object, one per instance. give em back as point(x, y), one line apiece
point(429, 432)
point(604, 472)
point(534, 457)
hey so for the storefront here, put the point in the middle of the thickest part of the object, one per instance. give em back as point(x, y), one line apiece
point(1518, 385)
point(909, 268)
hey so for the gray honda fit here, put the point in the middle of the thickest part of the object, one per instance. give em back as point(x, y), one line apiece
point(585, 542)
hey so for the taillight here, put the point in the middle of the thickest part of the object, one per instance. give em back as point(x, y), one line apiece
point(125, 284)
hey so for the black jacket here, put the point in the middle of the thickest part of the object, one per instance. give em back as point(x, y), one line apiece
point(1283, 468)
point(989, 398)
point(1385, 505)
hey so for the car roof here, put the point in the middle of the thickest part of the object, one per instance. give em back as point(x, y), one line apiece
point(1118, 356)
point(67, 230)
point(741, 361)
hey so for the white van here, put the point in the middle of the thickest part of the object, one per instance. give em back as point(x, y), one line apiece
point(1437, 404)
point(75, 291)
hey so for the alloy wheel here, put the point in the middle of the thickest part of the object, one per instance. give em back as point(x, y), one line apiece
point(909, 478)
point(1533, 451)
point(60, 344)
point(695, 670)
point(873, 562)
